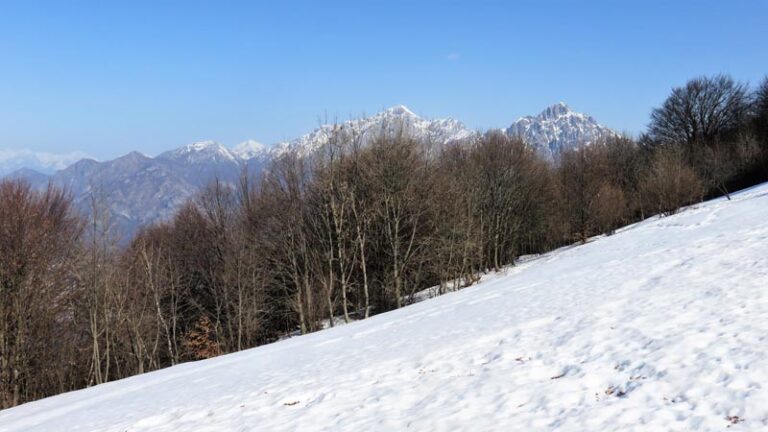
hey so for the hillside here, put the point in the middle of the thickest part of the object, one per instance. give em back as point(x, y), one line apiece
point(661, 326)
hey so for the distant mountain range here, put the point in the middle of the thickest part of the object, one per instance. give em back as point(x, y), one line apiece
point(138, 189)
point(42, 162)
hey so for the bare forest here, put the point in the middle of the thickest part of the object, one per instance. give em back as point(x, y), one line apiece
point(344, 233)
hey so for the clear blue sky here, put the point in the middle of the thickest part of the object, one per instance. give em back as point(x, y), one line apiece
point(109, 77)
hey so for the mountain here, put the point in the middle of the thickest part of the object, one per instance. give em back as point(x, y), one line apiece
point(35, 178)
point(558, 128)
point(251, 149)
point(659, 327)
point(390, 121)
point(135, 189)
point(138, 189)
point(198, 163)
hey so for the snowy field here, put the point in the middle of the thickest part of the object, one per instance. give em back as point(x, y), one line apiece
point(661, 327)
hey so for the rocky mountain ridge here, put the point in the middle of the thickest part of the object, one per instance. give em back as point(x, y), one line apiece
point(138, 189)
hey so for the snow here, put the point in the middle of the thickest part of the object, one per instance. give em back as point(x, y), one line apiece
point(249, 149)
point(200, 152)
point(662, 326)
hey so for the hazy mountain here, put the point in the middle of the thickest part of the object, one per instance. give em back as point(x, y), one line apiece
point(33, 177)
point(135, 188)
point(12, 160)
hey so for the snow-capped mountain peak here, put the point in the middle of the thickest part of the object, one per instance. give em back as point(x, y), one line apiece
point(558, 128)
point(250, 149)
point(392, 120)
point(200, 151)
point(207, 146)
point(201, 145)
point(400, 110)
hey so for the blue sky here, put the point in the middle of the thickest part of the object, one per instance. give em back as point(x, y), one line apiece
point(105, 78)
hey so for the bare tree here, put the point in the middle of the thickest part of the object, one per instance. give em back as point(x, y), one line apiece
point(760, 113)
point(513, 186)
point(670, 183)
point(97, 274)
point(285, 232)
point(156, 272)
point(39, 233)
point(702, 111)
point(357, 194)
point(355, 227)
point(608, 208)
point(457, 244)
point(399, 181)
point(334, 207)
point(595, 181)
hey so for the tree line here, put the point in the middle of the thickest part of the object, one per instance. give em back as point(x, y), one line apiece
point(356, 228)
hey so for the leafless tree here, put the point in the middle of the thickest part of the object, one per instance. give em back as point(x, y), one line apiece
point(39, 235)
point(513, 186)
point(399, 181)
point(760, 114)
point(702, 111)
point(595, 181)
point(356, 227)
point(286, 233)
point(97, 273)
point(670, 183)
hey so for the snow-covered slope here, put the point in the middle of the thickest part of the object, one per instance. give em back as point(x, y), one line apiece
point(660, 327)
point(558, 128)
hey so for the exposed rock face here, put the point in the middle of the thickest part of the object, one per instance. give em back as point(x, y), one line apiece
point(558, 128)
